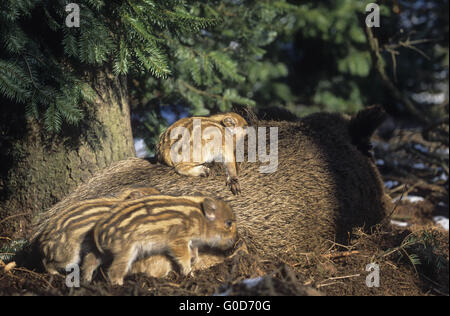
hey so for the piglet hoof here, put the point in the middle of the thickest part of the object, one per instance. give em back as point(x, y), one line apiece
point(233, 183)
point(205, 172)
point(191, 274)
point(186, 271)
point(87, 278)
point(118, 281)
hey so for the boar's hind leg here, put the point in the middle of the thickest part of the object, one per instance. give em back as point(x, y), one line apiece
point(192, 169)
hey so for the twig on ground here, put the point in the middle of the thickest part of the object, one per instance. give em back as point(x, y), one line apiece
point(328, 284)
point(398, 188)
point(337, 278)
point(340, 254)
point(37, 275)
point(333, 255)
point(396, 204)
point(343, 277)
point(12, 216)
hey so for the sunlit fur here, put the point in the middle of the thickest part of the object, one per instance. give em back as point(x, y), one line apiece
point(221, 122)
point(61, 237)
point(173, 226)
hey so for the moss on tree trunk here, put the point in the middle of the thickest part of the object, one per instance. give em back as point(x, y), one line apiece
point(38, 169)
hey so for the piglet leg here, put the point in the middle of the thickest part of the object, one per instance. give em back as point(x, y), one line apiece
point(232, 177)
point(192, 169)
point(120, 265)
point(182, 254)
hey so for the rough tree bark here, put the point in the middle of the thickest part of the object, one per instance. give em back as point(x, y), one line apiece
point(38, 169)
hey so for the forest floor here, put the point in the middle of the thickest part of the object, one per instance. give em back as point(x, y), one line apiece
point(411, 248)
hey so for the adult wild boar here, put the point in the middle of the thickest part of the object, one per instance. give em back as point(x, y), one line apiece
point(326, 184)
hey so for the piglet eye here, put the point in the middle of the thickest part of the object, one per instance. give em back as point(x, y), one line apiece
point(228, 223)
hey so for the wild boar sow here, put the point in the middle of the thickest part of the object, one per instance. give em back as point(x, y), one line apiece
point(325, 185)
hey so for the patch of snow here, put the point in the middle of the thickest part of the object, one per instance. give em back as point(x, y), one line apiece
point(421, 148)
point(426, 97)
point(410, 198)
point(442, 177)
point(383, 146)
point(442, 221)
point(249, 283)
point(391, 184)
point(441, 151)
point(141, 148)
point(414, 199)
point(399, 223)
point(252, 282)
point(380, 162)
point(419, 166)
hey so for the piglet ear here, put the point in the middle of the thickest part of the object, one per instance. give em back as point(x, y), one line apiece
point(209, 207)
point(229, 122)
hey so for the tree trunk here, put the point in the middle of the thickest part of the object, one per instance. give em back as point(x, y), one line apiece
point(38, 169)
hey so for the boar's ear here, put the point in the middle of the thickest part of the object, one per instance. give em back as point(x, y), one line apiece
point(229, 122)
point(209, 207)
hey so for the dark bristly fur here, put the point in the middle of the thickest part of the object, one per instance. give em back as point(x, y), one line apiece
point(364, 125)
